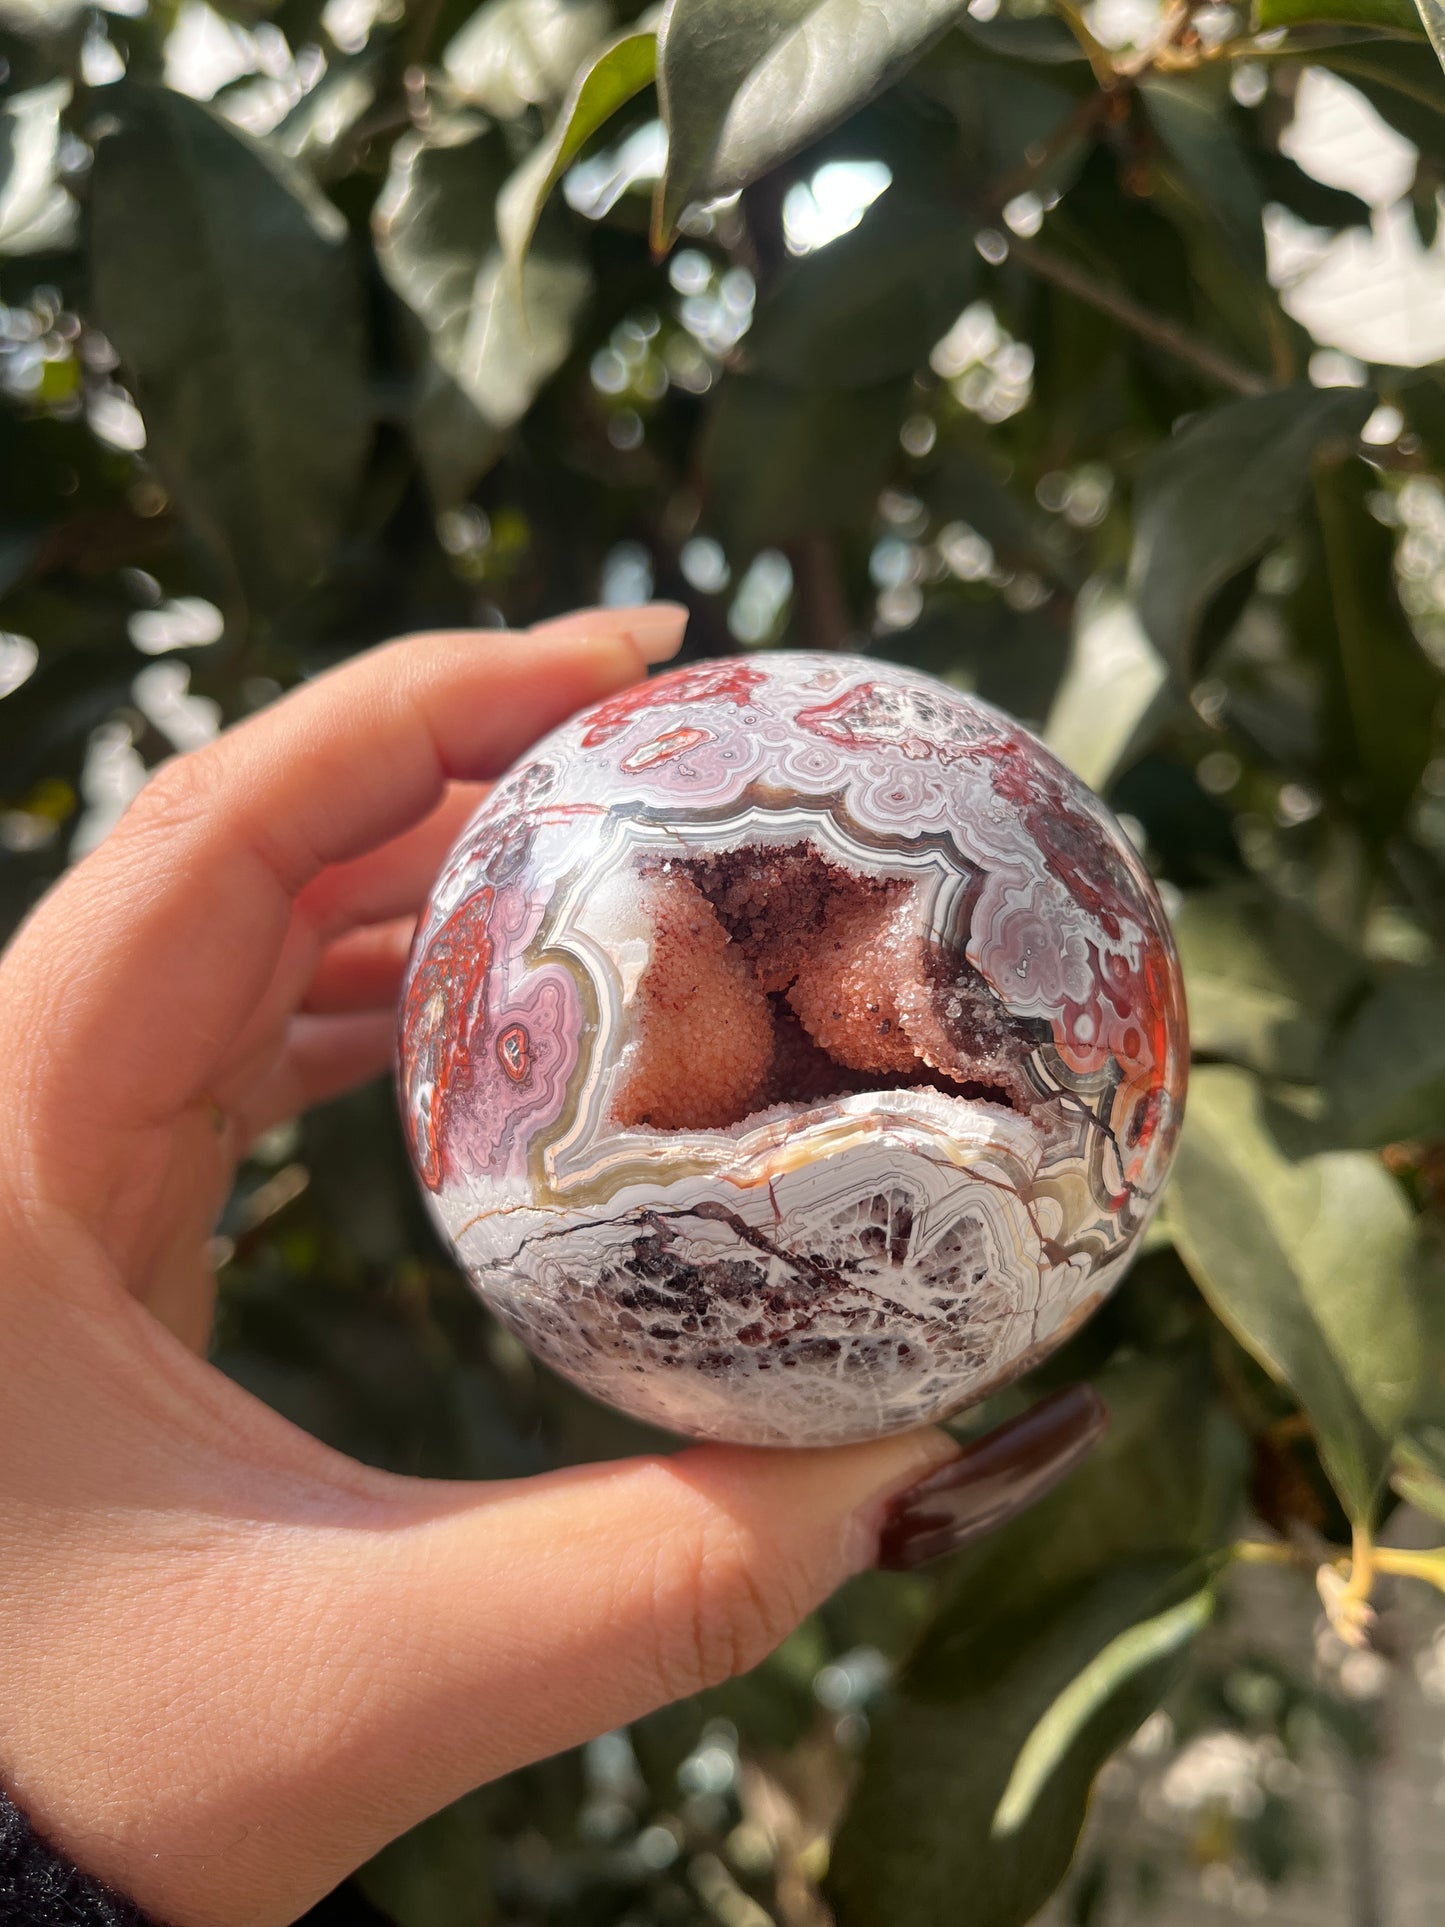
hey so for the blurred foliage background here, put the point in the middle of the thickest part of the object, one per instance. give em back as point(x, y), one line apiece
point(1083, 356)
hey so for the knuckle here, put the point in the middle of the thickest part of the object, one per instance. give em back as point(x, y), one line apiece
point(174, 796)
point(716, 1615)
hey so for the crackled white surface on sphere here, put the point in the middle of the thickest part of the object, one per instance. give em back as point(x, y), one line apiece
point(793, 1050)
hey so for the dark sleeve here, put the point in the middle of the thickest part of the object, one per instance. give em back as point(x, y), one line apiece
point(40, 1888)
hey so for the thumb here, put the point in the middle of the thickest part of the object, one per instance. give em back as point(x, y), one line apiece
point(304, 1686)
point(602, 1592)
point(482, 1628)
point(555, 1608)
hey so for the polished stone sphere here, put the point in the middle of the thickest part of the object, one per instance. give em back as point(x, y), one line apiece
point(792, 1050)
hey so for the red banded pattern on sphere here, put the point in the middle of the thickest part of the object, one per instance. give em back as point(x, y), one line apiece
point(793, 1050)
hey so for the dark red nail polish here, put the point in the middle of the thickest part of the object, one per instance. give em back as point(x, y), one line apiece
point(992, 1479)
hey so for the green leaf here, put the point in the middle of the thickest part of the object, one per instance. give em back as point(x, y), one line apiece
point(323, 120)
point(621, 70)
point(1191, 118)
point(1381, 16)
point(1432, 18)
point(35, 210)
point(228, 286)
point(779, 461)
point(744, 86)
point(871, 304)
point(1009, 112)
point(1264, 980)
point(1418, 1485)
point(978, 1783)
point(1042, 38)
point(1308, 1259)
point(1383, 689)
point(1114, 681)
point(1386, 1077)
point(1419, 1474)
point(1140, 1648)
point(1217, 494)
point(489, 345)
point(1165, 1479)
point(1056, 1637)
point(516, 54)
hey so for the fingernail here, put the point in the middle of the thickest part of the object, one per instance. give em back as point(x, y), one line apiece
point(656, 628)
point(1001, 1474)
point(653, 628)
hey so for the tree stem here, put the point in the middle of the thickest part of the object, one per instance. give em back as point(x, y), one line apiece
point(822, 603)
point(1100, 59)
point(1157, 330)
point(1076, 125)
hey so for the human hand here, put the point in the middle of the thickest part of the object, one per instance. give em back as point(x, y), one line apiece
point(234, 1663)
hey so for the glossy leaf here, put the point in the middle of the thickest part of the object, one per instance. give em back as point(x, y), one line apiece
point(228, 286)
point(1386, 1077)
point(1191, 119)
point(1383, 689)
point(1215, 495)
point(1418, 1479)
point(489, 345)
point(980, 1785)
point(621, 70)
point(1115, 680)
point(1122, 1664)
point(1419, 1471)
point(514, 54)
point(1382, 16)
point(35, 209)
point(744, 86)
point(325, 119)
point(1307, 1258)
point(1420, 1486)
point(1264, 981)
point(1056, 1637)
point(1432, 17)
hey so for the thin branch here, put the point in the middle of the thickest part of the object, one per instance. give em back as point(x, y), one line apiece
point(822, 603)
point(1265, 1552)
point(1346, 1597)
point(1175, 48)
point(1100, 59)
point(1404, 1564)
point(1076, 125)
point(1156, 329)
point(422, 20)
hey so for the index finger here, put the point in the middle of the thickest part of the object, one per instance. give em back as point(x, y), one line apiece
point(145, 962)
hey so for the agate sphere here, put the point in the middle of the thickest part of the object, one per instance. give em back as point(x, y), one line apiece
point(792, 1050)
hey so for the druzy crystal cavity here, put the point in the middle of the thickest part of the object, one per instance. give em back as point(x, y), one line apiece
point(793, 1050)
